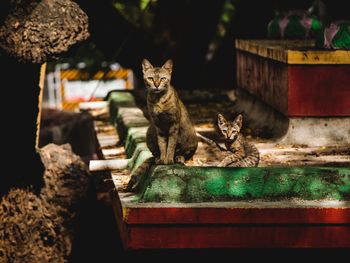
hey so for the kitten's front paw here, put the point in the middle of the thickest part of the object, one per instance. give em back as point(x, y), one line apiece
point(180, 159)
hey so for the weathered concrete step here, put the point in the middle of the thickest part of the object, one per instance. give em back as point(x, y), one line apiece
point(318, 131)
point(128, 118)
point(136, 135)
point(198, 184)
point(170, 211)
point(119, 99)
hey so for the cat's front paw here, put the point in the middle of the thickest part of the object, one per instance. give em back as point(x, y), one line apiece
point(168, 161)
point(222, 164)
point(159, 161)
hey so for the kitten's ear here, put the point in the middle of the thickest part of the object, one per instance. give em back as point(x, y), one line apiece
point(146, 65)
point(221, 120)
point(239, 120)
point(168, 65)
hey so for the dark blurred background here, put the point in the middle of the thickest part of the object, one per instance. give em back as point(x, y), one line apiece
point(198, 35)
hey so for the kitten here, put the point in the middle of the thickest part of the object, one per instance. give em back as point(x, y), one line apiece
point(171, 137)
point(243, 153)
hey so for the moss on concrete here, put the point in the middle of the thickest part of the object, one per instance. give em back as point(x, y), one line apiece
point(135, 136)
point(129, 118)
point(117, 99)
point(202, 184)
point(140, 155)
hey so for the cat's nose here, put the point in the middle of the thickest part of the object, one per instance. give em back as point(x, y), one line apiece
point(156, 84)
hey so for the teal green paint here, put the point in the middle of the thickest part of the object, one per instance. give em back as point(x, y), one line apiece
point(135, 136)
point(138, 156)
point(278, 186)
point(169, 185)
point(316, 25)
point(202, 184)
point(118, 99)
point(141, 157)
point(130, 118)
point(216, 186)
point(342, 39)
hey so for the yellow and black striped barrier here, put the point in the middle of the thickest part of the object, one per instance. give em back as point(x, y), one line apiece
point(81, 75)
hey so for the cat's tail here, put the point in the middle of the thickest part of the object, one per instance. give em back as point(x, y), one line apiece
point(210, 142)
point(137, 172)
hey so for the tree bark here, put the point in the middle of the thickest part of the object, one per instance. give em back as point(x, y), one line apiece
point(39, 30)
point(39, 228)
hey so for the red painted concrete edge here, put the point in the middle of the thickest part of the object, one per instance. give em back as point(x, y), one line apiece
point(175, 228)
point(205, 215)
point(124, 231)
point(287, 236)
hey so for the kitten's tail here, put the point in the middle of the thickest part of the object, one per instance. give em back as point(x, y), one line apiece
point(210, 142)
point(253, 158)
point(137, 172)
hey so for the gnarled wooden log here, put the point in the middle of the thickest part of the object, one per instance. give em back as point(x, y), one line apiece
point(35, 31)
point(40, 228)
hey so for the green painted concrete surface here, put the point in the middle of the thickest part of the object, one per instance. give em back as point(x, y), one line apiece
point(128, 118)
point(140, 154)
point(119, 99)
point(135, 136)
point(179, 183)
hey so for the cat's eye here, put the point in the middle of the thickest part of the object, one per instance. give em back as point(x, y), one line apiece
point(150, 78)
point(162, 78)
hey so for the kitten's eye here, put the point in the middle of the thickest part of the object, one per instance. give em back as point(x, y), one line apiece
point(162, 78)
point(150, 78)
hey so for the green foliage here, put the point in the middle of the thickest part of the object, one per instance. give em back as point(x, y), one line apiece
point(136, 11)
point(228, 11)
point(227, 14)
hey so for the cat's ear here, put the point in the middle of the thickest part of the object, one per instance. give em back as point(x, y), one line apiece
point(221, 120)
point(239, 120)
point(168, 65)
point(146, 65)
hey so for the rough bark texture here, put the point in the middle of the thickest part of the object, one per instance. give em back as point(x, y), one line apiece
point(36, 31)
point(66, 176)
point(39, 228)
point(62, 127)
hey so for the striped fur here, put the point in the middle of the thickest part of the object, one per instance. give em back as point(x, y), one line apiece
point(171, 136)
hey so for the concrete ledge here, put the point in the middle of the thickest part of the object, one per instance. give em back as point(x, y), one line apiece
point(135, 136)
point(140, 154)
point(179, 183)
point(118, 99)
point(318, 131)
point(128, 118)
point(210, 207)
point(201, 184)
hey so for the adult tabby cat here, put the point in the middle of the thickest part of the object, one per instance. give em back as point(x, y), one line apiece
point(243, 153)
point(171, 137)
